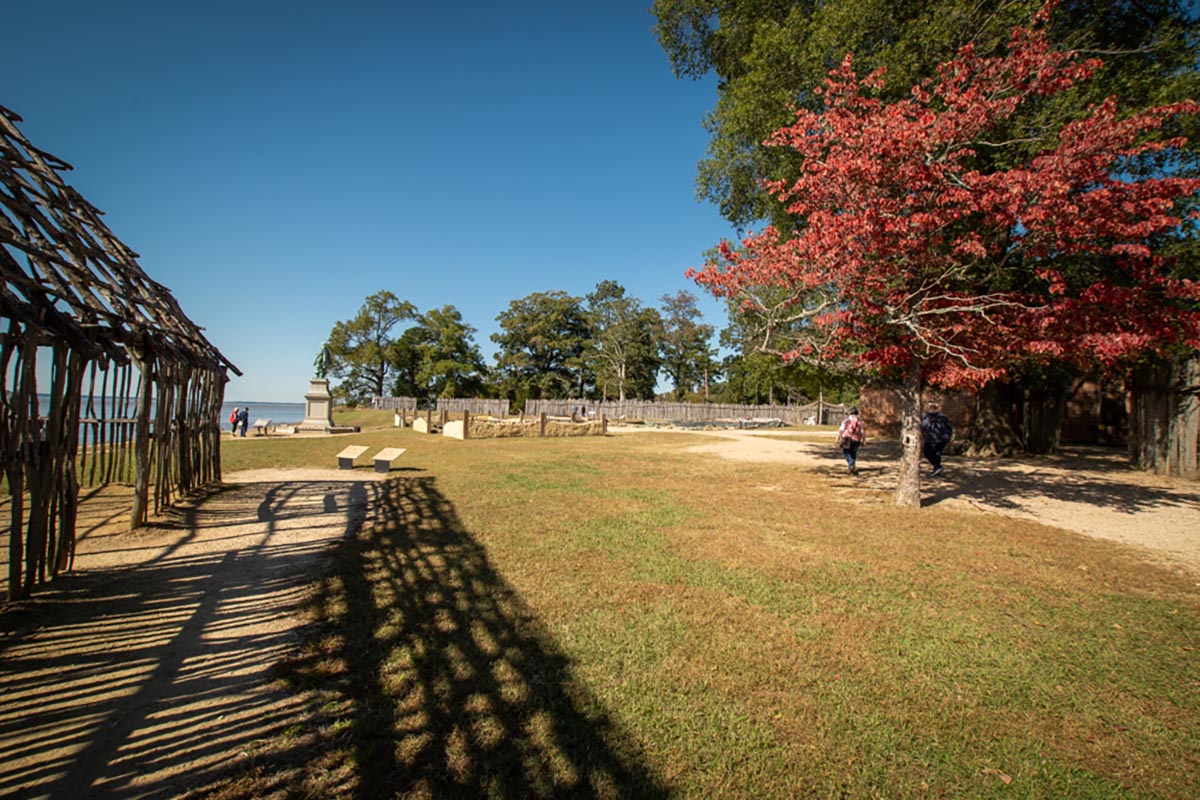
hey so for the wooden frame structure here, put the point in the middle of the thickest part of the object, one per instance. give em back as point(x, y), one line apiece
point(132, 390)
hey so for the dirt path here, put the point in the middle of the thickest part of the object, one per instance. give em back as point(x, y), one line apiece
point(146, 672)
point(1087, 490)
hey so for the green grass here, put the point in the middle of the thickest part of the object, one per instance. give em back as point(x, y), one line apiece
point(613, 617)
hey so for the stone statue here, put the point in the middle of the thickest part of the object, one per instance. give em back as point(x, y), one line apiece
point(324, 362)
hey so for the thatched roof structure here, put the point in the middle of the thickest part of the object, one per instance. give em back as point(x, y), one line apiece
point(74, 295)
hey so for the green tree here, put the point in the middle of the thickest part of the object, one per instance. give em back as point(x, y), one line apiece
point(641, 377)
point(437, 357)
point(622, 352)
point(684, 346)
point(450, 362)
point(406, 363)
point(362, 349)
point(755, 373)
point(767, 56)
point(542, 340)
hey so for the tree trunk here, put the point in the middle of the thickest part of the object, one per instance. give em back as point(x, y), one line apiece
point(1045, 408)
point(908, 488)
point(994, 431)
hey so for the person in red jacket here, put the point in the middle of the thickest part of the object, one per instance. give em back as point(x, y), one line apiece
point(851, 435)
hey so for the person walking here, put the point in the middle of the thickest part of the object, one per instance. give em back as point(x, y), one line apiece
point(936, 433)
point(851, 436)
point(233, 421)
point(244, 420)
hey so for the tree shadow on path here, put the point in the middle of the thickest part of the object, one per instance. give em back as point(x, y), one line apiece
point(147, 670)
point(1088, 490)
point(1098, 477)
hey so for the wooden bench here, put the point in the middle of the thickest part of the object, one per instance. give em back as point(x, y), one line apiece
point(347, 456)
point(385, 457)
point(262, 427)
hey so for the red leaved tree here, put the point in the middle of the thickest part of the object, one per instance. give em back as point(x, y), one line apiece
point(929, 252)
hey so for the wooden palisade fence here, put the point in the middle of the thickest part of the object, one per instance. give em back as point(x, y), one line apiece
point(812, 413)
point(134, 391)
point(1164, 418)
point(455, 405)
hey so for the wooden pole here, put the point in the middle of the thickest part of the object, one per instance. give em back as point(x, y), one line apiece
point(68, 481)
point(20, 442)
point(141, 488)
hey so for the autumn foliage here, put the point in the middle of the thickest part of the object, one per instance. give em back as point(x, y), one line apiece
point(956, 234)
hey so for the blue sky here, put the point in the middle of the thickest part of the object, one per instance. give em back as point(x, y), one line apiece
point(275, 162)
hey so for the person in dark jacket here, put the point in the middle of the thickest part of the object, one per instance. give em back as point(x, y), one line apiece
point(936, 433)
point(244, 420)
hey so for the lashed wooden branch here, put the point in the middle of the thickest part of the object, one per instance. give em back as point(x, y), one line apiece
point(67, 283)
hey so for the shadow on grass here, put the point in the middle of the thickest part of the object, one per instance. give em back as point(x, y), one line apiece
point(447, 683)
point(1094, 476)
point(152, 670)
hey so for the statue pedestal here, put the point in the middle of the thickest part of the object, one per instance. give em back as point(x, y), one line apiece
point(318, 407)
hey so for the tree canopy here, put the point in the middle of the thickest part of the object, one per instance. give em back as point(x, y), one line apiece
point(921, 256)
point(622, 350)
point(438, 357)
point(362, 349)
point(606, 345)
point(768, 55)
point(542, 340)
point(688, 357)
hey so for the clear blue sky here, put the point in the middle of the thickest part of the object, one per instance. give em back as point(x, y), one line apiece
point(274, 162)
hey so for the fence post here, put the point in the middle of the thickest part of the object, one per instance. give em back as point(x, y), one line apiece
point(542, 424)
point(604, 424)
point(466, 424)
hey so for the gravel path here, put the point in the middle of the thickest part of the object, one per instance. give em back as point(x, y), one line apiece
point(1088, 490)
point(145, 671)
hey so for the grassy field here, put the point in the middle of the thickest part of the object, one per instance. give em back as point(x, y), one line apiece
point(612, 617)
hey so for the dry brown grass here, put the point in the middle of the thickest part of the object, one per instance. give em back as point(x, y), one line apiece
point(614, 617)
